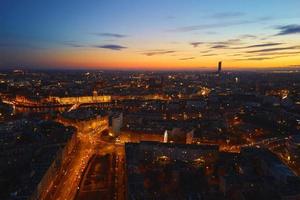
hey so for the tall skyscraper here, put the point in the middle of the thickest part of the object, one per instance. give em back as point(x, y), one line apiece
point(220, 67)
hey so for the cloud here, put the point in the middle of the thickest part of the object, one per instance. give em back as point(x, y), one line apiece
point(237, 54)
point(229, 42)
point(72, 43)
point(263, 58)
point(114, 47)
point(220, 24)
point(225, 44)
point(211, 54)
point(256, 58)
point(289, 29)
point(266, 18)
point(233, 42)
point(206, 51)
point(280, 53)
point(273, 49)
point(248, 36)
point(207, 26)
point(196, 44)
point(227, 15)
point(259, 58)
point(158, 52)
point(259, 45)
point(113, 35)
point(264, 45)
point(219, 46)
point(189, 58)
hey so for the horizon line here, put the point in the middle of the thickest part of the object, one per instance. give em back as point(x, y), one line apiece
point(200, 69)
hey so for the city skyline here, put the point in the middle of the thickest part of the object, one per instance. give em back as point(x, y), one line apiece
point(155, 35)
point(149, 99)
point(87, 135)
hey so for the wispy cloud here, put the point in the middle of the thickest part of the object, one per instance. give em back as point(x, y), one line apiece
point(236, 54)
point(273, 49)
point(219, 46)
point(114, 47)
point(112, 35)
point(221, 24)
point(255, 59)
point(266, 18)
point(280, 53)
point(232, 44)
point(206, 51)
point(225, 44)
point(224, 15)
point(75, 44)
point(211, 54)
point(208, 26)
point(264, 45)
point(188, 58)
point(248, 36)
point(260, 45)
point(289, 29)
point(262, 58)
point(196, 44)
point(158, 52)
point(72, 43)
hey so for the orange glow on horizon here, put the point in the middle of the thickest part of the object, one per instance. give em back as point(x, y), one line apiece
point(101, 59)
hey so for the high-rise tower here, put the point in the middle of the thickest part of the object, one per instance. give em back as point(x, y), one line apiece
point(220, 67)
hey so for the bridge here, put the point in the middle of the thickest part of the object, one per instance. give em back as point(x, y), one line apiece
point(78, 100)
point(53, 102)
point(23, 104)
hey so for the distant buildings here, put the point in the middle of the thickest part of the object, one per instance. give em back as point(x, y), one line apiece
point(225, 111)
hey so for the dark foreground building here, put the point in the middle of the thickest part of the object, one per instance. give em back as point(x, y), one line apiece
point(179, 171)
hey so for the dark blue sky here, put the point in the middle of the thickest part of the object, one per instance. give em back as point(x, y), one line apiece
point(154, 33)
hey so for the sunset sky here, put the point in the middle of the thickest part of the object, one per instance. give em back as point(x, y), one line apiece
point(152, 34)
